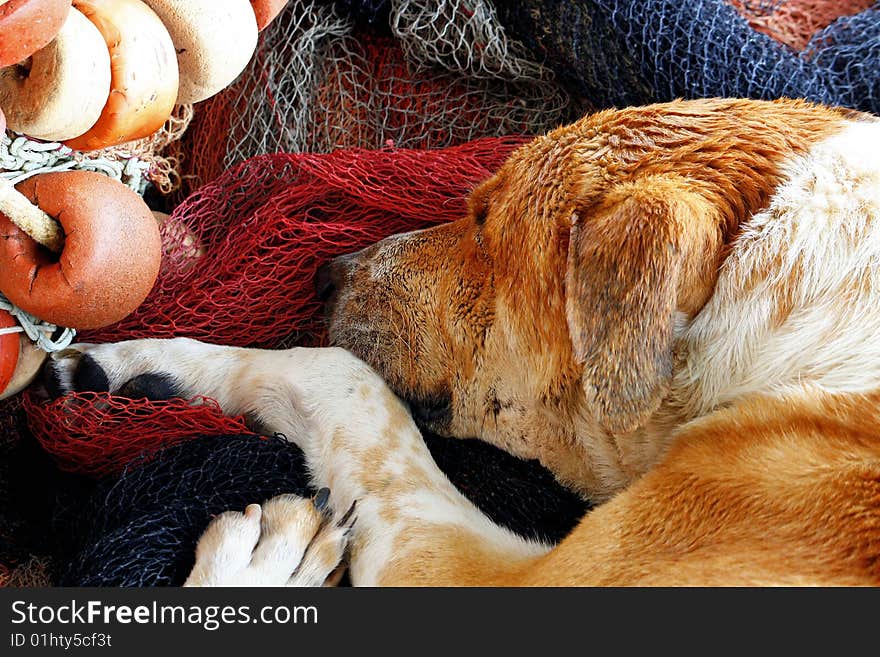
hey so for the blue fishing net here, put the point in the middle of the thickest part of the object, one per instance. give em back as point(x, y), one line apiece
point(630, 52)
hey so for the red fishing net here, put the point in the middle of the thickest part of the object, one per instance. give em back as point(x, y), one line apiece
point(240, 256)
point(98, 434)
point(432, 74)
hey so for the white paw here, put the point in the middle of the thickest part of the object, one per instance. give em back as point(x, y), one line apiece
point(290, 541)
point(134, 368)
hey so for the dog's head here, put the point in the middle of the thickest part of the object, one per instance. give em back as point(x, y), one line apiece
point(547, 314)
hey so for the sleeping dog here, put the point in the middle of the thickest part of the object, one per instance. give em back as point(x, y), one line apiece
point(675, 308)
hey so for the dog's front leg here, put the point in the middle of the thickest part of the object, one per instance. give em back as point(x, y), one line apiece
point(243, 381)
point(286, 540)
point(413, 526)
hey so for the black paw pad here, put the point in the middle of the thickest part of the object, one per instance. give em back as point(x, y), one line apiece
point(90, 377)
point(155, 387)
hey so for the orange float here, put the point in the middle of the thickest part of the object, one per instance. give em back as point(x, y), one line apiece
point(59, 91)
point(107, 264)
point(9, 348)
point(26, 26)
point(266, 11)
point(30, 361)
point(143, 73)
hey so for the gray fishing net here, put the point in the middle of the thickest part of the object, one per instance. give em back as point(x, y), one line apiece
point(434, 75)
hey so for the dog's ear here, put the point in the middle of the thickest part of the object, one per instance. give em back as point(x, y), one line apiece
point(481, 197)
point(646, 252)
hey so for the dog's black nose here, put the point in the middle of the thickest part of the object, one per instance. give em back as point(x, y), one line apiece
point(334, 275)
point(324, 283)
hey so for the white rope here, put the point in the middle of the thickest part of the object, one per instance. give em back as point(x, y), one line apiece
point(21, 158)
point(36, 329)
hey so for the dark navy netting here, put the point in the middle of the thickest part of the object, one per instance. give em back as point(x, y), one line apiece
point(370, 12)
point(631, 52)
point(141, 528)
point(520, 495)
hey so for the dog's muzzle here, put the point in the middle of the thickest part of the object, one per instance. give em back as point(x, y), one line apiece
point(331, 278)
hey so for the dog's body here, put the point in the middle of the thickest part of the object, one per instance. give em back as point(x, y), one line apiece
point(675, 308)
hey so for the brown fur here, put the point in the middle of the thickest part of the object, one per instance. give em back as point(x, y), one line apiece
point(545, 316)
point(768, 492)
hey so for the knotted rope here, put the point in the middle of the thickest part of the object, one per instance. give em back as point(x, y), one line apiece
point(36, 329)
point(21, 158)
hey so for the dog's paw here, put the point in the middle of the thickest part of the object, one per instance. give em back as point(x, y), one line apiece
point(129, 369)
point(290, 540)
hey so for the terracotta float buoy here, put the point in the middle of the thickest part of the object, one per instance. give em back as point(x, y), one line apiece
point(28, 359)
point(214, 40)
point(143, 65)
point(26, 26)
point(266, 11)
point(95, 272)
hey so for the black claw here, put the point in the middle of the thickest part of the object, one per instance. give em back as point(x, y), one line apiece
point(344, 520)
point(321, 498)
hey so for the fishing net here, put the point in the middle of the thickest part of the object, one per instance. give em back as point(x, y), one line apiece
point(32, 491)
point(142, 528)
point(240, 257)
point(33, 573)
point(241, 253)
point(428, 75)
point(98, 434)
point(520, 495)
point(630, 52)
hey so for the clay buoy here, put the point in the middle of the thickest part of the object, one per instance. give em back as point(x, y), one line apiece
point(214, 40)
point(30, 360)
point(9, 349)
point(109, 260)
point(143, 66)
point(58, 93)
point(265, 11)
point(26, 26)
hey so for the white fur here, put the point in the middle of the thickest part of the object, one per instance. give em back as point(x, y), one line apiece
point(821, 231)
point(817, 245)
point(317, 398)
